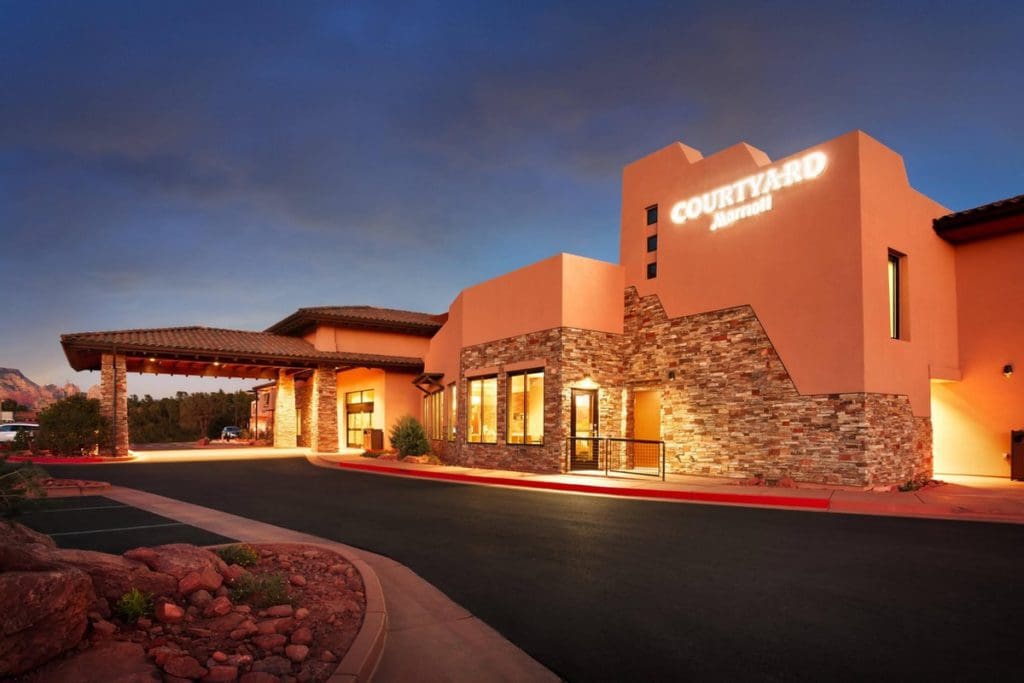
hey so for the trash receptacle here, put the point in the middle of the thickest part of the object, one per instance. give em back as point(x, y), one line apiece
point(1017, 454)
point(373, 439)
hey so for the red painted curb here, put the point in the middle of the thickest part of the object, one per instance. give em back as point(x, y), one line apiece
point(66, 461)
point(700, 496)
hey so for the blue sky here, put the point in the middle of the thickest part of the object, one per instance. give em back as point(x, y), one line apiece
point(225, 163)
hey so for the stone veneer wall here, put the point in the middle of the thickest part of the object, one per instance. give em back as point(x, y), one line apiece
point(732, 409)
point(114, 403)
point(323, 411)
point(303, 412)
point(284, 411)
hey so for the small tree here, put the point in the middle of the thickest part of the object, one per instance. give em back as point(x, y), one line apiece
point(409, 437)
point(72, 425)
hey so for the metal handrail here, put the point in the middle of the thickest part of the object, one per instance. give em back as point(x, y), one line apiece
point(603, 444)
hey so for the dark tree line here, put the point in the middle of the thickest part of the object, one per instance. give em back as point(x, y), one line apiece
point(186, 417)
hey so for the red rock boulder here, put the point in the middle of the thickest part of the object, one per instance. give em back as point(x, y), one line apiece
point(44, 614)
point(113, 576)
point(176, 559)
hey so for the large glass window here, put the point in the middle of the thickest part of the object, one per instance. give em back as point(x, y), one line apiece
point(358, 416)
point(453, 411)
point(526, 407)
point(894, 296)
point(483, 410)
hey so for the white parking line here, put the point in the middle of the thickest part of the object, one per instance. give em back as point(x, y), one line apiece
point(95, 507)
point(123, 528)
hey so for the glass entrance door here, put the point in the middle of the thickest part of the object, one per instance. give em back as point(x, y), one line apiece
point(583, 429)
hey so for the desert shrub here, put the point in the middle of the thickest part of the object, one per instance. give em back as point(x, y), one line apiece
point(261, 590)
point(243, 555)
point(133, 605)
point(408, 437)
point(72, 425)
point(19, 482)
point(23, 441)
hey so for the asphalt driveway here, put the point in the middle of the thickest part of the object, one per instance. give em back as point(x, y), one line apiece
point(605, 589)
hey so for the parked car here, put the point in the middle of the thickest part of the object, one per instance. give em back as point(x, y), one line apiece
point(231, 433)
point(10, 430)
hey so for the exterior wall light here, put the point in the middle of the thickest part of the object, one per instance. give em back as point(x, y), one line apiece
point(1008, 370)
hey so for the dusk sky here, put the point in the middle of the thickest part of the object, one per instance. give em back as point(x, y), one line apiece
point(222, 164)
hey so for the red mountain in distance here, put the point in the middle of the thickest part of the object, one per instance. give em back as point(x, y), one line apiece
point(15, 385)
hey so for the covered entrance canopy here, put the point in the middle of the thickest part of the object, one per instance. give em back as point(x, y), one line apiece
point(213, 352)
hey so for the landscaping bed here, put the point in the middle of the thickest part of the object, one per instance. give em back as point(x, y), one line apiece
point(174, 612)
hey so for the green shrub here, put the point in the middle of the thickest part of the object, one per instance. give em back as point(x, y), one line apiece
point(242, 555)
point(72, 426)
point(23, 441)
point(408, 437)
point(261, 590)
point(133, 605)
point(19, 482)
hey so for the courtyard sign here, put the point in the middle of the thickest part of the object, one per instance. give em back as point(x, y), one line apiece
point(748, 196)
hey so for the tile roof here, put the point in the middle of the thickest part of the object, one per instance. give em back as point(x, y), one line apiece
point(988, 220)
point(212, 342)
point(371, 317)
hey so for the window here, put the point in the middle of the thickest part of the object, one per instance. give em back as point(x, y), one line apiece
point(453, 413)
point(526, 407)
point(652, 243)
point(895, 298)
point(358, 415)
point(652, 214)
point(482, 426)
point(652, 270)
point(433, 415)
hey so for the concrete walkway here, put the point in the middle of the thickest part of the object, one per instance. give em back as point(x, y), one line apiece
point(429, 638)
point(989, 499)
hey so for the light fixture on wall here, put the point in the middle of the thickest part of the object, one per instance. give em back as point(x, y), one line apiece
point(1008, 370)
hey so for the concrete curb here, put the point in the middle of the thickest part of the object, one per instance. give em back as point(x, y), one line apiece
point(762, 500)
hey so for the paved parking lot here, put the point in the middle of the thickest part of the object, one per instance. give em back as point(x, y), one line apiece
point(98, 523)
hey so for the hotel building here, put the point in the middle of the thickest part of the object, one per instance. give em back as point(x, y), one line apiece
point(813, 317)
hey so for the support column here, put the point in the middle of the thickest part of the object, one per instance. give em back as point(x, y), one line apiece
point(284, 411)
point(323, 409)
point(114, 404)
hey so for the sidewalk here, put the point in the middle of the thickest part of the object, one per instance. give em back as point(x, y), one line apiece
point(987, 499)
point(418, 620)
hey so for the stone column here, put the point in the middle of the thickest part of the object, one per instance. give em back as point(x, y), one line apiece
point(323, 410)
point(114, 404)
point(284, 411)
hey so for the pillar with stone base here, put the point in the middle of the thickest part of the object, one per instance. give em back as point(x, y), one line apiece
point(323, 409)
point(114, 404)
point(284, 411)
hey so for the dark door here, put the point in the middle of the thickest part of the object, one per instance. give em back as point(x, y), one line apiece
point(583, 429)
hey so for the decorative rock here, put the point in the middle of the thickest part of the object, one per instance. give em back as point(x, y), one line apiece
point(244, 609)
point(220, 674)
point(279, 611)
point(268, 641)
point(310, 554)
point(43, 615)
point(302, 636)
point(284, 625)
point(190, 583)
point(219, 657)
point(162, 653)
point(259, 677)
point(244, 630)
point(184, 666)
point(210, 579)
point(297, 580)
point(110, 660)
point(297, 653)
point(168, 613)
point(328, 656)
point(228, 622)
point(201, 598)
point(113, 576)
point(301, 613)
point(176, 559)
point(144, 622)
point(267, 626)
point(218, 608)
point(274, 664)
point(337, 569)
point(234, 572)
point(222, 592)
point(103, 627)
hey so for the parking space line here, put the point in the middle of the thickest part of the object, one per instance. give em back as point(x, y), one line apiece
point(95, 507)
point(123, 528)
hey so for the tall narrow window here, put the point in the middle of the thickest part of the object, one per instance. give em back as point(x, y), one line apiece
point(652, 270)
point(652, 243)
point(483, 410)
point(433, 415)
point(526, 407)
point(453, 411)
point(894, 296)
point(652, 214)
